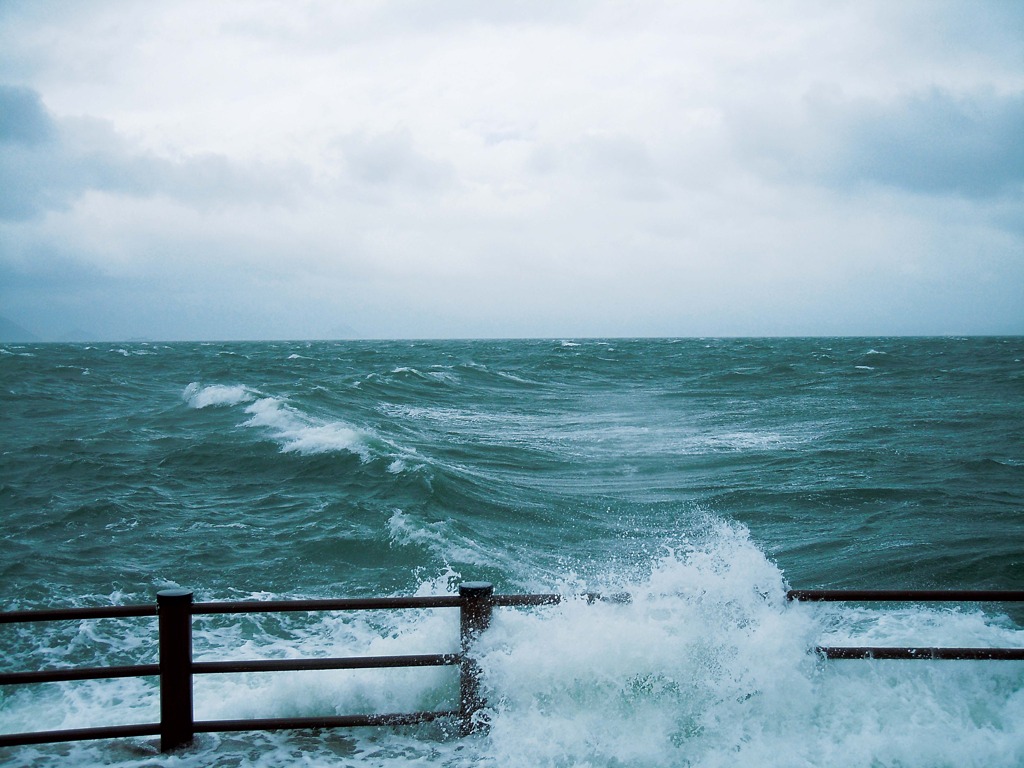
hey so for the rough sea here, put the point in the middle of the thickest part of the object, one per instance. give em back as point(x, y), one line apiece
point(702, 476)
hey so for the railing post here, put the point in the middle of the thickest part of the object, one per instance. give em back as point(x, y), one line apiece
point(474, 618)
point(174, 609)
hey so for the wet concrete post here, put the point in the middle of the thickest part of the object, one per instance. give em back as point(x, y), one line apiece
point(174, 612)
point(474, 618)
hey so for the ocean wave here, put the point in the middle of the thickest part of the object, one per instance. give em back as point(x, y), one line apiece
point(592, 480)
point(198, 396)
point(299, 432)
point(438, 538)
point(517, 379)
point(302, 434)
point(443, 374)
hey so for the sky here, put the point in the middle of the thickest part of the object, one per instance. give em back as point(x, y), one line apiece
point(308, 169)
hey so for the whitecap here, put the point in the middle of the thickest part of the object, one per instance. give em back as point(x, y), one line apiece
point(298, 433)
point(198, 396)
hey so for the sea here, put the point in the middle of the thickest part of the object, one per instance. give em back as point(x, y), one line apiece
point(702, 477)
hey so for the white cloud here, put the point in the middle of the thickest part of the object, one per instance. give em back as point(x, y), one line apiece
point(280, 169)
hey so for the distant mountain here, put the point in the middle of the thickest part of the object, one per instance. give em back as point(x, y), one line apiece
point(11, 331)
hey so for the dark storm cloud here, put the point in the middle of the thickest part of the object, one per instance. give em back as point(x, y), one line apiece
point(937, 143)
point(46, 268)
point(48, 163)
point(932, 143)
point(23, 118)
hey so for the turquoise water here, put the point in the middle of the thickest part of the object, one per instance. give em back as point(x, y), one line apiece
point(703, 476)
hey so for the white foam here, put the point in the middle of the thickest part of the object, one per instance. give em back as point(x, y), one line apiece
point(198, 396)
point(302, 434)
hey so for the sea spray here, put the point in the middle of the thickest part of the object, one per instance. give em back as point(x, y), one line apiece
point(706, 643)
point(709, 665)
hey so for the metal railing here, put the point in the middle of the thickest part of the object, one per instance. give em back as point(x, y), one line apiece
point(913, 596)
point(175, 609)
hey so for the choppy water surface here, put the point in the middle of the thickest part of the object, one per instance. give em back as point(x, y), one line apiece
point(701, 476)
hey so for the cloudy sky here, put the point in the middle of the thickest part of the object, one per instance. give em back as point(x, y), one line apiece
point(455, 168)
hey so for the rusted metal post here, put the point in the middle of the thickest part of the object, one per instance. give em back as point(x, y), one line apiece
point(474, 618)
point(174, 609)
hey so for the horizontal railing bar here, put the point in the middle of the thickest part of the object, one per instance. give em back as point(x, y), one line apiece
point(78, 673)
point(72, 614)
point(286, 606)
point(78, 734)
point(253, 606)
point(335, 721)
point(962, 654)
point(377, 603)
point(452, 601)
point(302, 665)
point(519, 601)
point(338, 604)
point(223, 726)
point(513, 601)
point(907, 595)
